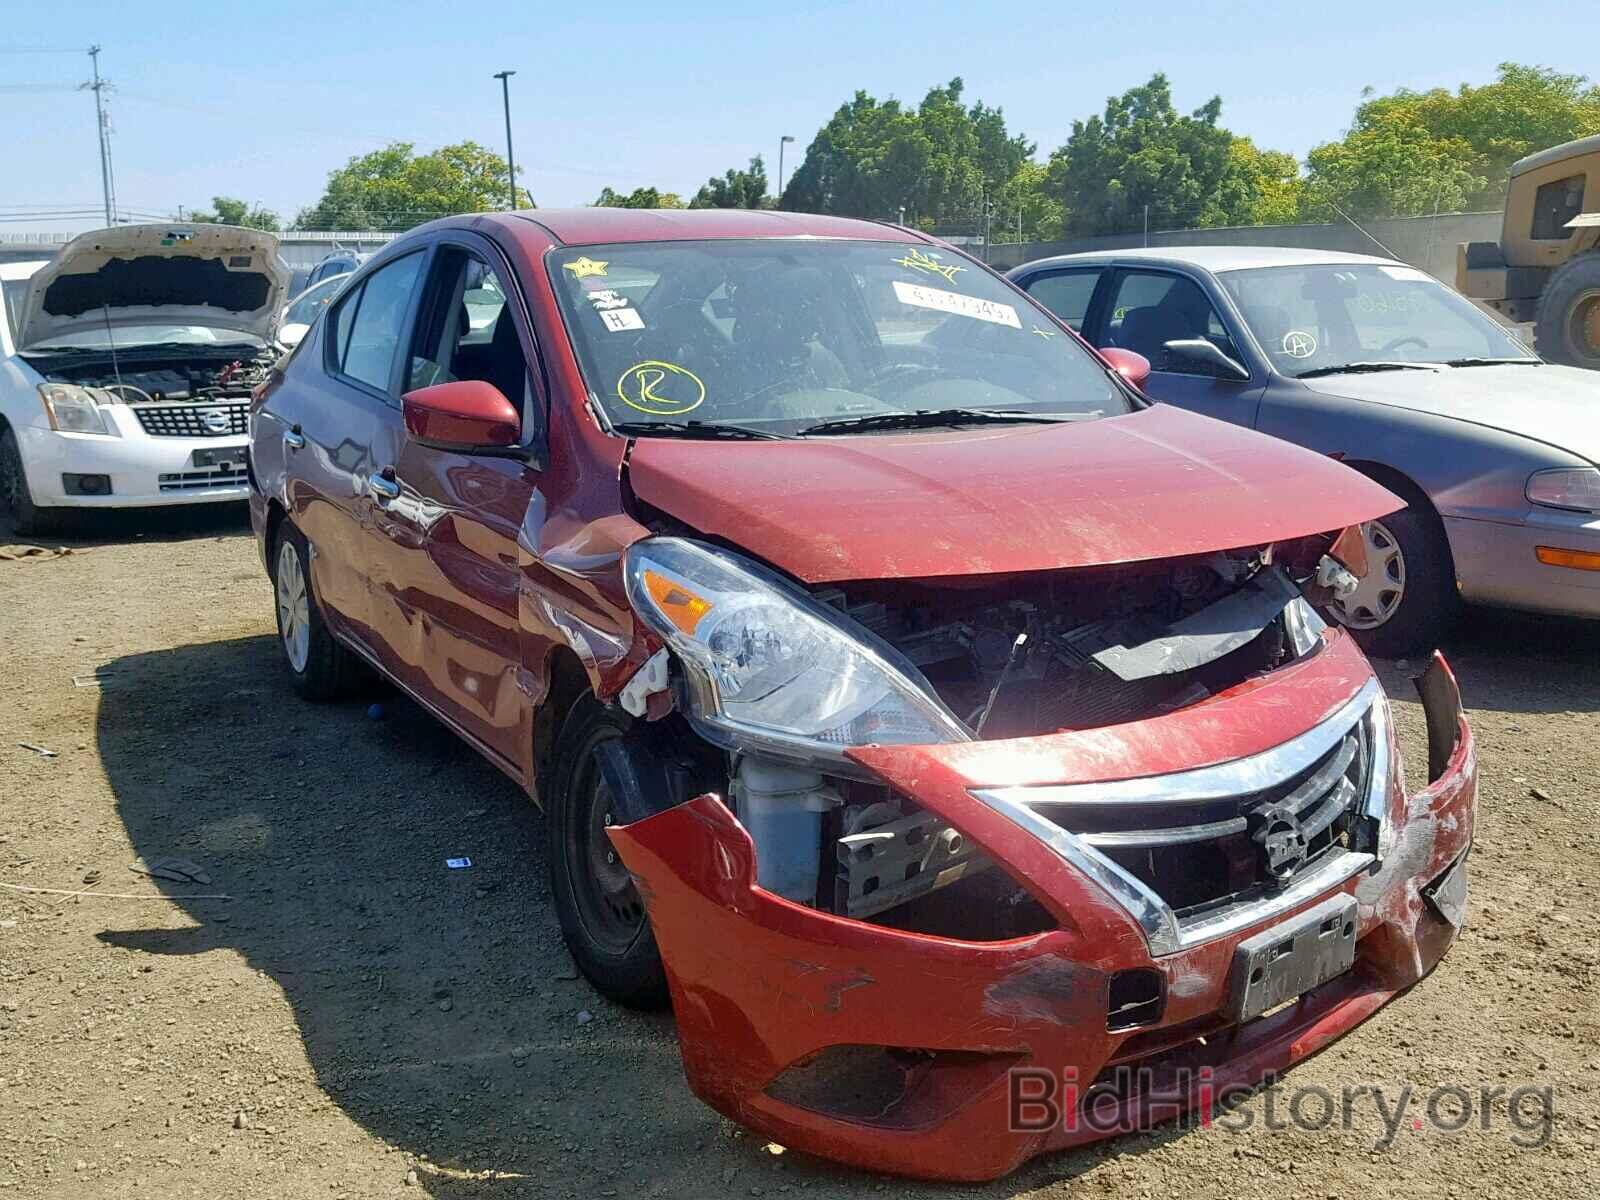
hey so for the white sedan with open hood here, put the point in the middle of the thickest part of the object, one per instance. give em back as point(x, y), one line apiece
point(137, 349)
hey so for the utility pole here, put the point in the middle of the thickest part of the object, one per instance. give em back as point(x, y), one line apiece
point(1147, 225)
point(511, 165)
point(782, 142)
point(98, 87)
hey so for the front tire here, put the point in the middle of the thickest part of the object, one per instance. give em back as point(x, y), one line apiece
point(320, 668)
point(1568, 329)
point(27, 517)
point(601, 912)
point(1408, 600)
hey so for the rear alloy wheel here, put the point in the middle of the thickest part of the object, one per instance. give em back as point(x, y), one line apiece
point(27, 518)
point(320, 667)
point(599, 906)
point(1407, 600)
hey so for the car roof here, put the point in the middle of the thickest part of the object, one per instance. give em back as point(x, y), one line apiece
point(1218, 258)
point(590, 226)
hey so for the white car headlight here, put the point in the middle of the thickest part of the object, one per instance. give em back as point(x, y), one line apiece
point(73, 409)
point(1576, 488)
point(767, 664)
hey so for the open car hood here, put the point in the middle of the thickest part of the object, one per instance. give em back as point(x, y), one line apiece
point(217, 276)
point(1152, 484)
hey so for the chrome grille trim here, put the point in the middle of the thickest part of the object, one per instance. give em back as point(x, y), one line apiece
point(188, 420)
point(1163, 929)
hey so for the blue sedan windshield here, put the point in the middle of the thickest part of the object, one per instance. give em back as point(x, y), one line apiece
point(1326, 316)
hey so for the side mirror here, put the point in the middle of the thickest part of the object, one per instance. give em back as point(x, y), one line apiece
point(291, 334)
point(1204, 352)
point(1135, 368)
point(466, 415)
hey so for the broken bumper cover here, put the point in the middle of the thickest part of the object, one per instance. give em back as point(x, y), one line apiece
point(765, 990)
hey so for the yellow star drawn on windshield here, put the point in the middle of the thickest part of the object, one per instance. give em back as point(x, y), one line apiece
point(1047, 334)
point(918, 261)
point(585, 266)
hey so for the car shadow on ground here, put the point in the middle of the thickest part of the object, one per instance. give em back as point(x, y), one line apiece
point(1524, 662)
point(438, 1007)
point(81, 529)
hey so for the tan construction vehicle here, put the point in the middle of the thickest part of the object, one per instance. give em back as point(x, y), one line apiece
point(1546, 266)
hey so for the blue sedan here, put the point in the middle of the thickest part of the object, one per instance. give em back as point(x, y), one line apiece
point(1378, 364)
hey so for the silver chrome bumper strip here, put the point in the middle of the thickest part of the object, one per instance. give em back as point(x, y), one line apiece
point(1165, 932)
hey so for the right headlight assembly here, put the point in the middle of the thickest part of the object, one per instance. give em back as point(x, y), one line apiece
point(769, 666)
point(1576, 489)
point(73, 409)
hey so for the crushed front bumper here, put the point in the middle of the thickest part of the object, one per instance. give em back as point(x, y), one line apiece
point(771, 996)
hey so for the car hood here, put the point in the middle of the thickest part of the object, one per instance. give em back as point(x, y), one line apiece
point(217, 276)
point(1152, 484)
point(1559, 406)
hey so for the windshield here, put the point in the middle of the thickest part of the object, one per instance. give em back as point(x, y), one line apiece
point(778, 336)
point(13, 292)
point(1317, 318)
point(308, 305)
point(130, 337)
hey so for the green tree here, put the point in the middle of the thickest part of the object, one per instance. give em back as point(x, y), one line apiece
point(396, 188)
point(638, 198)
point(878, 158)
point(1410, 153)
point(1271, 188)
point(1142, 153)
point(226, 210)
point(735, 189)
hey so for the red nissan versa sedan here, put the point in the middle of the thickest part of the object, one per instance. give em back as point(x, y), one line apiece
point(942, 726)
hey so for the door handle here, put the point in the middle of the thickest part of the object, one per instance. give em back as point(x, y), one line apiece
point(383, 486)
point(293, 439)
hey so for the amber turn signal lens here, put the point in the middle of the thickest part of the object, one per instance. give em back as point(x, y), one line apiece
point(679, 605)
point(1555, 556)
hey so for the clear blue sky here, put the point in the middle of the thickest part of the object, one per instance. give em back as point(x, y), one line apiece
point(264, 103)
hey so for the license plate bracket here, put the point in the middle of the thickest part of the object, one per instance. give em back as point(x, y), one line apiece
point(1293, 957)
point(213, 459)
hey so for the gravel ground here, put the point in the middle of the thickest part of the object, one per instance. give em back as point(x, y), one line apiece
point(356, 1020)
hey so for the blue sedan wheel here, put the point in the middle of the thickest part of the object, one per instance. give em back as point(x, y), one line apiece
point(1382, 591)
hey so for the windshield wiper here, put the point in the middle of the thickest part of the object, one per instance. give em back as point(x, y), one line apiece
point(928, 418)
point(693, 429)
point(1356, 368)
point(1492, 362)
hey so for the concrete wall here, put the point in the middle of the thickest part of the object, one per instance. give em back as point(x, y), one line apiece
point(1425, 242)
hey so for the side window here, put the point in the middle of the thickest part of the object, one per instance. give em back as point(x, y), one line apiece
point(1554, 204)
point(1066, 293)
point(367, 346)
point(1149, 309)
point(469, 331)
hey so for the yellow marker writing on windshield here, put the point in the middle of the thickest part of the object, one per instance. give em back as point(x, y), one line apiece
point(661, 389)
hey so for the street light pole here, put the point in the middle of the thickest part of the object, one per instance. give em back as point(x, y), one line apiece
point(782, 142)
point(511, 165)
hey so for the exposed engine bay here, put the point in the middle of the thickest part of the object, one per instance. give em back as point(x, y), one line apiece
point(1013, 657)
point(200, 378)
point(1078, 649)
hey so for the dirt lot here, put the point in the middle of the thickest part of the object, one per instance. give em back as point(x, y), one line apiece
point(370, 1013)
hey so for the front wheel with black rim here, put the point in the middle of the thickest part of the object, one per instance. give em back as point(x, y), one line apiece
point(319, 667)
point(1407, 600)
point(27, 518)
point(601, 912)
